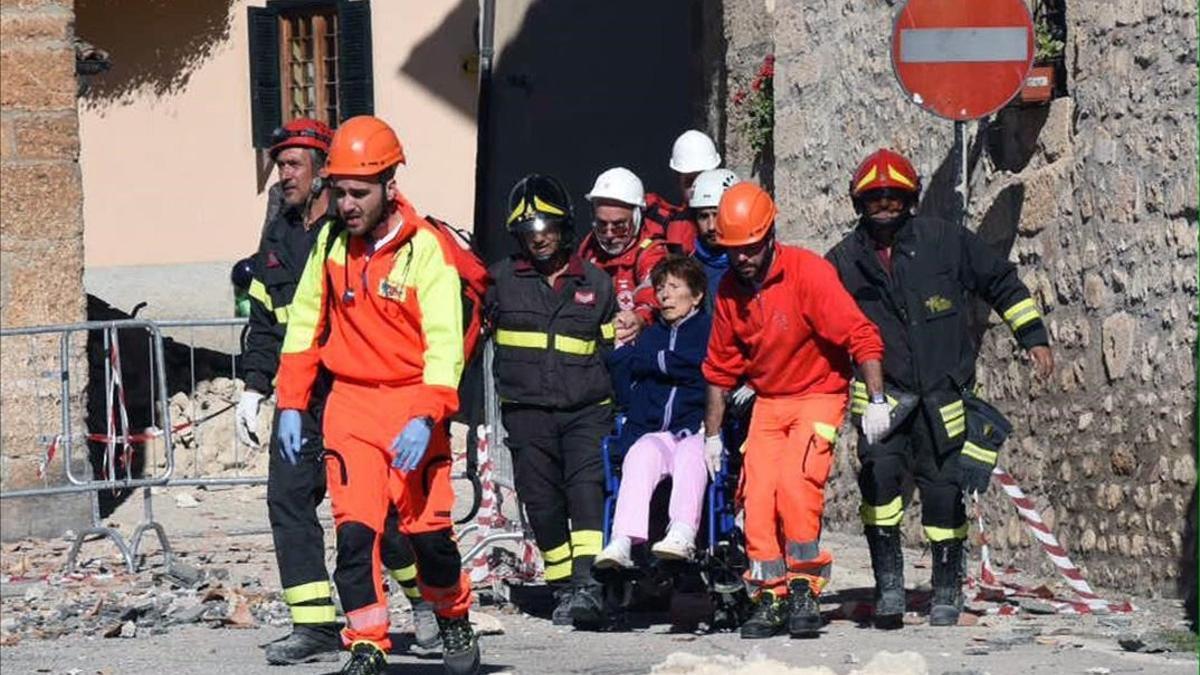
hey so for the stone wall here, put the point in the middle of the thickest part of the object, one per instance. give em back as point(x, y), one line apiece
point(1094, 197)
point(41, 249)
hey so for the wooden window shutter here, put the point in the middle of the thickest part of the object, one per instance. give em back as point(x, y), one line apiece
point(356, 87)
point(266, 108)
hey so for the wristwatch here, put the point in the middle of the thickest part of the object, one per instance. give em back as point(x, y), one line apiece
point(878, 398)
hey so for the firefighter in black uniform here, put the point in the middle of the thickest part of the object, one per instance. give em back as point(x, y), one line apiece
point(294, 491)
point(915, 277)
point(552, 313)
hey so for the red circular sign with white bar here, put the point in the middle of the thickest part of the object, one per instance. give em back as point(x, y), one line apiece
point(962, 59)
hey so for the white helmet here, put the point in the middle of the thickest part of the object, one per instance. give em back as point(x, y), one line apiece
point(709, 186)
point(620, 185)
point(694, 151)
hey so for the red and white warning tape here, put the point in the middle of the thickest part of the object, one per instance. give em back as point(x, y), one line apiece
point(490, 519)
point(992, 588)
point(480, 569)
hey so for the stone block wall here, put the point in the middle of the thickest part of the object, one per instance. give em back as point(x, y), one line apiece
point(41, 250)
point(1094, 197)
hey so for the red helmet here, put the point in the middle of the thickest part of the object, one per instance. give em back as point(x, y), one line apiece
point(885, 169)
point(301, 132)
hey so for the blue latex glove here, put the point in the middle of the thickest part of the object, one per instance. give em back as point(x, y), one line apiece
point(289, 436)
point(409, 447)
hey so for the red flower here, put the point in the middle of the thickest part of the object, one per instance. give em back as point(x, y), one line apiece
point(739, 97)
point(768, 66)
point(756, 85)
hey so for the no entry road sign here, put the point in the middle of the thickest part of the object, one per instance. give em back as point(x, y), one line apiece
point(962, 59)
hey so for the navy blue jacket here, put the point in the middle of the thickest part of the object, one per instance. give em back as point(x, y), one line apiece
point(715, 263)
point(658, 379)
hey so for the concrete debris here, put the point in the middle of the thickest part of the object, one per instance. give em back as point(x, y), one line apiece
point(1143, 644)
point(883, 663)
point(486, 624)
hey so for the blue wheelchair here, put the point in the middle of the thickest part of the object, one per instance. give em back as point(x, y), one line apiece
point(715, 575)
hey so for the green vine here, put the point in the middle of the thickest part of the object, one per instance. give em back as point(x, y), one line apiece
point(1046, 46)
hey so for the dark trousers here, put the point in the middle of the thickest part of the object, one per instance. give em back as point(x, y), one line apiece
point(293, 494)
point(560, 480)
point(913, 450)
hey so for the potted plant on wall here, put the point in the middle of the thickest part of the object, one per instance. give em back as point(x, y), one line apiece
point(1040, 84)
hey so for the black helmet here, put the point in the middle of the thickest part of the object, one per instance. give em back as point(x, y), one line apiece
point(242, 273)
point(537, 201)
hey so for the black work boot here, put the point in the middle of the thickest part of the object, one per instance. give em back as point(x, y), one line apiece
point(804, 610)
point(365, 659)
point(947, 582)
point(766, 619)
point(587, 607)
point(305, 644)
point(561, 616)
point(887, 559)
point(460, 646)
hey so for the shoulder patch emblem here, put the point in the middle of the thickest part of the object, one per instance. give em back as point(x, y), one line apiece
point(585, 297)
point(938, 304)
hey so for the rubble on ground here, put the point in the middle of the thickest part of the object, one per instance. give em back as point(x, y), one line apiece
point(883, 663)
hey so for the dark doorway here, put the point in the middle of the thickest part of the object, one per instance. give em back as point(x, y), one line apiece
point(585, 86)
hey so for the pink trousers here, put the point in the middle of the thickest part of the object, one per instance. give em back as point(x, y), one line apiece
point(652, 458)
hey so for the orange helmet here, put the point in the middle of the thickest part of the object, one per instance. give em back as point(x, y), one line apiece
point(745, 215)
point(884, 169)
point(363, 146)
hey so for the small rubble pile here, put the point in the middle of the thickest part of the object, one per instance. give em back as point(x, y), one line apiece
point(206, 442)
point(103, 601)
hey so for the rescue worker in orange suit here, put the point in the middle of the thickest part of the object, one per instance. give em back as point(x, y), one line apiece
point(914, 276)
point(692, 154)
point(295, 490)
point(552, 313)
point(785, 325)
point(622, 246)
point(379, 306)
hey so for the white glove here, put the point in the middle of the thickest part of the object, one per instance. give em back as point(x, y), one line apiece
point(714, 448)
point(875, 421)
point(741, 395)
point(247, 417)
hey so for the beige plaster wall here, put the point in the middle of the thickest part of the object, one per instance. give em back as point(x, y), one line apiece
point(171, 177)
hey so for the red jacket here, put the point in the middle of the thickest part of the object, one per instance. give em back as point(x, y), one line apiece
point(403, 325)
point(794, 335)
point(630, 271)
point(670, 222)
point(660, 211)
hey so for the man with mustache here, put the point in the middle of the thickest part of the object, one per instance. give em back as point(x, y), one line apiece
point(553, 320)
point(914, 276)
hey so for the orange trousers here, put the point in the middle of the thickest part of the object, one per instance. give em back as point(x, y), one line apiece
point(788, 455)
point(361, 421)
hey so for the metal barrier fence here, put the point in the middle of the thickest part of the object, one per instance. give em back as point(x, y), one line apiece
point(160, 414)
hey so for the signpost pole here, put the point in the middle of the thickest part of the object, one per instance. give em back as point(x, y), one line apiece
point(960, 172)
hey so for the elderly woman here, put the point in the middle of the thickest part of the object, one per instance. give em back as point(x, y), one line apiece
point(665, 412)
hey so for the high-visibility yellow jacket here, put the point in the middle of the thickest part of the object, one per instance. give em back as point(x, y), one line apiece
point(392, 317)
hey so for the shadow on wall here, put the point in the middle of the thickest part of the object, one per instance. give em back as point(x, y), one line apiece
point(581, 88)
point(154, 44)
point(440, 61)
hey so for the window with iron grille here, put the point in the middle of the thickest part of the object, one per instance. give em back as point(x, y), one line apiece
point(309, 58)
